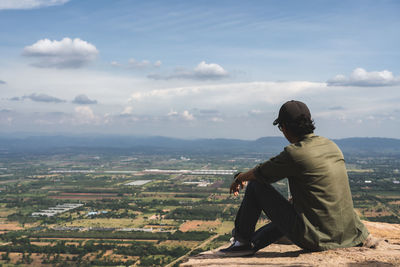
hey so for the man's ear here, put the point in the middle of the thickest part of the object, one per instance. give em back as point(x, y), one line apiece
point(289, 135)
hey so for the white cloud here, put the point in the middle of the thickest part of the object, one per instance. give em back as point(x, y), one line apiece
point(29, 4)
point(85, 111)
point(172, 113)
point(193, 115)
point(84, 115)
point(216, 119)
point(212, 109)
point(202, 71)
point(209, 71)
point(186, 115)
point(157, 64)
point(66, 53)
point(127, 111)
point(115, 64)
point(238, 96)
point(361, 77)
point(5, 118)
point(105, 87)
point(139, 64)
point(137, 96)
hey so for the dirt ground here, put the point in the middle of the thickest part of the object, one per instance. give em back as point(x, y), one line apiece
point(110, 254)
point(107, 222)
point(84, 197)
point(110, 239)
point(386, 231)
point(88, 194)
point(5, 212)
point(36, 259)
point(376, 213)
point(198, 225)
point(291, 255)
point(10, 226)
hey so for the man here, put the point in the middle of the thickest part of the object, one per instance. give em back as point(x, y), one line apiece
point(321, 214)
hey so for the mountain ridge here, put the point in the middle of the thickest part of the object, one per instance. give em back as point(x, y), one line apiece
point(271, 144)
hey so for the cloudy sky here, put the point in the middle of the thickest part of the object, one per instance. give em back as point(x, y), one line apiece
point(198, 69)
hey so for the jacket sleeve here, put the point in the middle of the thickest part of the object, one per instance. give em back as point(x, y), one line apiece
point(276, 168)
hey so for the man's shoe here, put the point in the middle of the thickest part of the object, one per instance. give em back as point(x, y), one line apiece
point(236, 250)
point(371, 242)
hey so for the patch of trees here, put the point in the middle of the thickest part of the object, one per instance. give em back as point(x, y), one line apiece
point(142, 248)
point(192, 235)
point(387, 219)
point(108, 262)
point(22, 218)
point(193, 195)
point(21, 202)
point(59, 247)
point(160, 202)
point(229, 213)
point(149, 253)
point(102, 235)
point(209, 212)
point(178, 235)
point(223, 238)
point(155, 260)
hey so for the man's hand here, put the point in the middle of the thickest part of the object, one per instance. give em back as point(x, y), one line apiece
point(236, 186)
point(240, 181)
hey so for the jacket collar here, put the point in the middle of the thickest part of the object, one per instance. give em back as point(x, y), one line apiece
point(307, 136)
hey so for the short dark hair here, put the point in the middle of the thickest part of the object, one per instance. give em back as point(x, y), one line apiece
point(301, 126)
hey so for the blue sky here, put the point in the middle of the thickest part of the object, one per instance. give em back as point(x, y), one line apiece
point(196, 69)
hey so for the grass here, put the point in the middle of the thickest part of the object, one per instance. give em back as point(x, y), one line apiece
point(225, 227)
point(175, 243)
point(4, 212)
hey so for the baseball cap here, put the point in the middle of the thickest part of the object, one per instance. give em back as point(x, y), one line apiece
point(291, 110)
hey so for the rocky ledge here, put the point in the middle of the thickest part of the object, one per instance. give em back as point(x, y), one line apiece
point(386, 254)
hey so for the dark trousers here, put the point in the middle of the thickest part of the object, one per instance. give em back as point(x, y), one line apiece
point(258, 197)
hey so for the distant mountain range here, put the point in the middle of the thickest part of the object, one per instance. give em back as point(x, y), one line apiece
point(40, 144)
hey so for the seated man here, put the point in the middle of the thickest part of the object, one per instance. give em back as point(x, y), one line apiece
point(321, 214)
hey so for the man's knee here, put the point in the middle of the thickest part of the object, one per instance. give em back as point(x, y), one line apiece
point(259, 186)
point(252, 185)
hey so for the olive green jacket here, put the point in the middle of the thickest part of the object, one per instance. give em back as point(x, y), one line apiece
point(321, 193)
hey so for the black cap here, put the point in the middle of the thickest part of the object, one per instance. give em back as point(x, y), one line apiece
point(291, 110)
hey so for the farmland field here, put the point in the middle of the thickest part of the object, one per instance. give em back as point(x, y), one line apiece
point(117, 221)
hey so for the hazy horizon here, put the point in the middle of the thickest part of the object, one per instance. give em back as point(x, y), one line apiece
point(209, 69)
point(24, 135)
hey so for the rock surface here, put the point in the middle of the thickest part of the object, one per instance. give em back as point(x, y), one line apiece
point(387, 253)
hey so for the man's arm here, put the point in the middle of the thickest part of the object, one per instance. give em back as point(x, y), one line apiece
point(274, 169)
